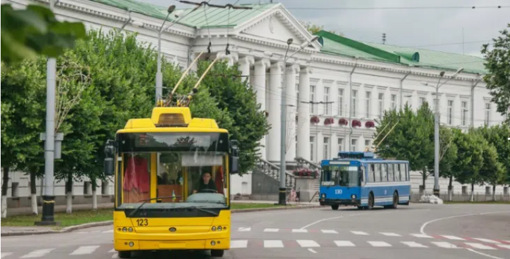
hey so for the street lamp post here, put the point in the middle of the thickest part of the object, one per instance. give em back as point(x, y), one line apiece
point(159, 75)
point(283, 186)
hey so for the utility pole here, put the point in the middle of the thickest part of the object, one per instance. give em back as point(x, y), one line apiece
point(49, 144)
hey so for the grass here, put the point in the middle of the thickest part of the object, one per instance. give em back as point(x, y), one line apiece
point(88, 216)
point(65, 220)
point(477, 202)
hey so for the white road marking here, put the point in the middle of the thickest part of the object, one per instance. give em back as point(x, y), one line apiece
point(504, 246)
point(421, 235)
point(5, 255)
point(390, 234)
point(321, 220)
point(244, 229)
point(343, 243)
point(273, 244)
point(379, 244)
point(311, 250)
point(452, 237)
point(487, 240)
point(351, 215)
point(480, 246)
point(444, 245)
point(115, 255)
point(359, 233)
point(327, 231)
point(422, 229)
point(271, 230)
point(238, 243)
point(111, 251)
point(414, 244)
point(307, 243)
point(108, 231)
point(299, 231)
point(84, 250)
point(38, 253)
point(486, 255)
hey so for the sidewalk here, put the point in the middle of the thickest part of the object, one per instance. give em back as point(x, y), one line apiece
point(59, 208)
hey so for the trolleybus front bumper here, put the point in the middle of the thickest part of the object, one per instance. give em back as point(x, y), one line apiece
point(346, 202)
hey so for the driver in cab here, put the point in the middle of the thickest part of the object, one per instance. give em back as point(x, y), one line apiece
point(206, 184)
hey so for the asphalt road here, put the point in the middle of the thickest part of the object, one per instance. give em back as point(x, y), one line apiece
point(418, 231)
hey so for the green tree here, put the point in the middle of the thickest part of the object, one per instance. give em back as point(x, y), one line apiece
point(410, 139)
point(497, 57)
point(469, 161)
point(35, 30)
point(313, 28)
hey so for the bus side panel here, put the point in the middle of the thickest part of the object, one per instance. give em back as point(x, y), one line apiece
point(404, 193)
point(383, 195)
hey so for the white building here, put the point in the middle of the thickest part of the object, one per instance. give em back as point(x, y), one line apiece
point(360, 79)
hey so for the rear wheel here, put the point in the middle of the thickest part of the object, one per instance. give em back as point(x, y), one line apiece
point(371, 201)
point(217, 253)
point(124, 254)
point(395, 200)
point(361, 207)
point(334, 207)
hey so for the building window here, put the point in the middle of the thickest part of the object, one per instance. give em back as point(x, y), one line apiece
point(312, 141)
point(422, 101)
point(353, 103)
point(340, 102)
point(367, 105)
point(367, 144)
point(354, 142)
point(312, 99)
point(464, 114)
point(450, 112)
point(381, 105)
point(326, 148)
point(487, 113)
point(393, 101)
point(326, 100)
point(340, 144)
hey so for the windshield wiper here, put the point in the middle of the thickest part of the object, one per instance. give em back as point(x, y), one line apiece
point(151, 199)
point(204, 210)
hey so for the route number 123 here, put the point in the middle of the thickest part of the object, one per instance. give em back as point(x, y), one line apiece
point(142, 222)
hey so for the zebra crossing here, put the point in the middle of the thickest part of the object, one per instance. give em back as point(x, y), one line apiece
point(237, 244)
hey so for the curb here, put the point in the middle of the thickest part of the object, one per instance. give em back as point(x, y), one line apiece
point(110, 222)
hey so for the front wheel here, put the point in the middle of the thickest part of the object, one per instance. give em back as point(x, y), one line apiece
point(371, 202)
point(217, 253)
point(334, 207)
point(124, 254)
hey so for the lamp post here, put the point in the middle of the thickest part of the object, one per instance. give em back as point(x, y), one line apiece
point(283, 187)
point(159, 75)
point(436, 131)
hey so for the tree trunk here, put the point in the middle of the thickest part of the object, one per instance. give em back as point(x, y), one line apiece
point(450, 189)
point(5, 185)
point(424, 179)
point(69, 194)
point(494, 193)
point(94, 197)
point(472, 192)
point(33, 192)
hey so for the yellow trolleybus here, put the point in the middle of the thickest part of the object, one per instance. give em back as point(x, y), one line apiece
point(171, 183)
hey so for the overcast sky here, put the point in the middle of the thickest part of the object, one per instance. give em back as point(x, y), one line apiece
point(436, 29)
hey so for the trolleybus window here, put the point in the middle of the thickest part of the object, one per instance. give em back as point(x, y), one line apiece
point(384, 173)
point(390, 173)
point(371, 173)
point(378, 172)
point(341, 176)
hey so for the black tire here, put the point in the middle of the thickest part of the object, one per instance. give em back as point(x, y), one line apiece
point(217, 253)
point(370, 201)
point(361, 207)
point(124, 254)
point(395, 201)
point(334, 207)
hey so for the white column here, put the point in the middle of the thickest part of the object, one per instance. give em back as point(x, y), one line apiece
point(259, 85)
point(245, 64)
point(291, 97)
point(274, 110)
point(231, 59)
point(303, 129)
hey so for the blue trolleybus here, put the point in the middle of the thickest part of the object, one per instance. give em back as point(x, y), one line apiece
point(359, 179)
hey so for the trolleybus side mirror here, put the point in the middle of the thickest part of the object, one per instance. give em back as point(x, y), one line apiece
point(109, 151)
point(234, 158)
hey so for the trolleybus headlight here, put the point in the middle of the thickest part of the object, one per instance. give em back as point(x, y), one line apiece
point(323, 195)
point(130, 229)
point(124, 229)
point(219, 228)
point(213, 243)
point(353, 196)
point(131, 244)
point(213, 228)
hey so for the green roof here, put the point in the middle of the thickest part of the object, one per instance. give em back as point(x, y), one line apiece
point(339, 45)
point(216, 17)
